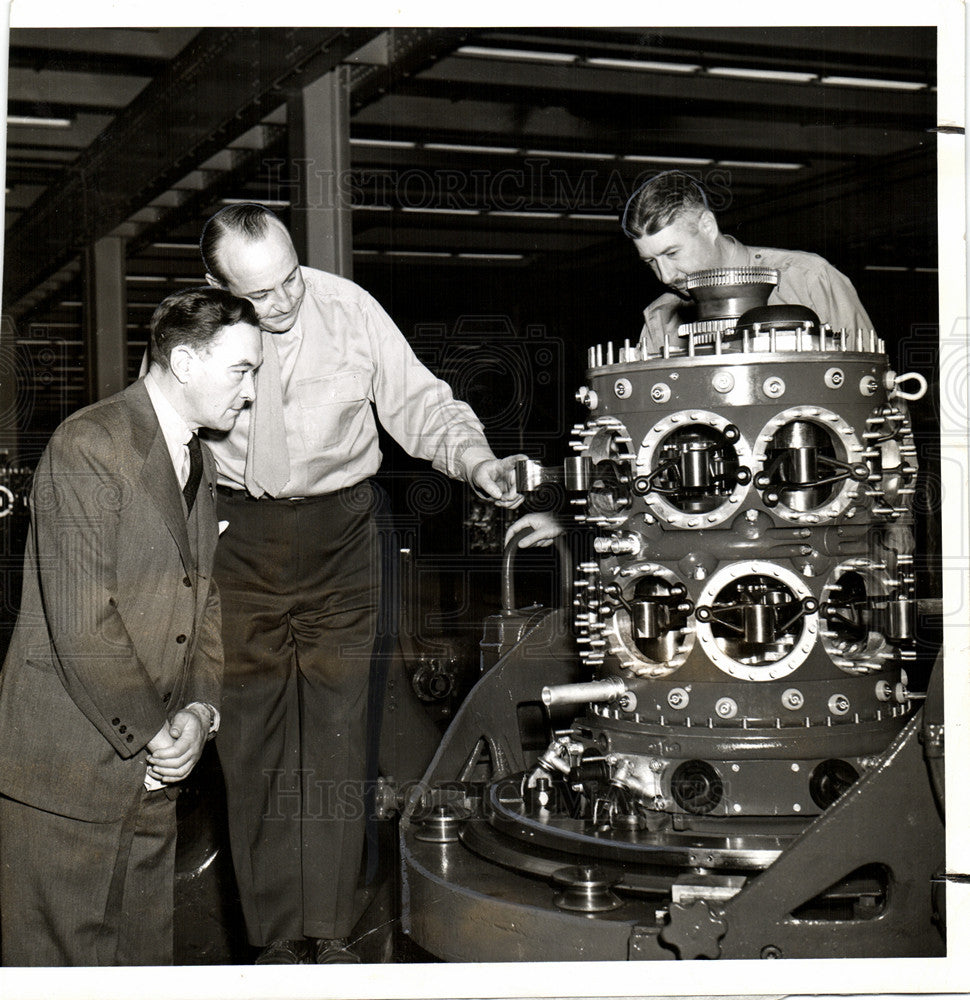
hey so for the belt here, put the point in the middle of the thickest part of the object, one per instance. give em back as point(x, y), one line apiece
point(231, 494)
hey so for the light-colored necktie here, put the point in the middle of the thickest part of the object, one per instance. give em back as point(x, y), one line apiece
point(267, 456)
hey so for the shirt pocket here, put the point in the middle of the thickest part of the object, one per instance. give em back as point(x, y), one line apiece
point(332, 405)
point(339, 387)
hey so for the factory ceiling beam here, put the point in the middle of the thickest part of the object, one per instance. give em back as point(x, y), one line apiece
point(909, 55)
point(42, 57)
point(197, 203)
point(585, 86)
point(693, 135)
point(408, 51)
point(219, 86)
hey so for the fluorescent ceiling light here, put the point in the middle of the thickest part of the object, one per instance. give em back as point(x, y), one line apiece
point(781, 75)
point(656, 67)
point(145, 277)
point(417, 253)
point(372, 208)
point(444, 211)
point(269, 202)
point(692, 160)
point(571, 154)
point(884, 267)
point(492, 256)
point(557, 57)
point(175, 246)
point(858, 81)
point(528, 215)
point(758, 165)
point(457, 147)
point(30, 121)
point(392, 143)
point(591, 218)
point(926, 270)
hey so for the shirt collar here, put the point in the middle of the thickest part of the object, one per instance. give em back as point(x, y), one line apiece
point(738, 254)
point(174, 429)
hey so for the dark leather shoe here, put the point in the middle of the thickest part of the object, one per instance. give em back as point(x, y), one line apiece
point(329, 951)
point(283, 951)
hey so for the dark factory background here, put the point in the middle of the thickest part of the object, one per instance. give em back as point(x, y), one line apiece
point(472, 181)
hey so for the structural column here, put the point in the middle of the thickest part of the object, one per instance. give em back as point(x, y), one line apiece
point(105, 330)
point(318, 119)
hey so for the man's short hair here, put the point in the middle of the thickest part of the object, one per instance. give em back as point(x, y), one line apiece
point(194, 318)
point(657, 203)
point(250, 219)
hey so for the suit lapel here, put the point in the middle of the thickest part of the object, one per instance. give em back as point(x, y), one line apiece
point(157, 474)
point(205, 501)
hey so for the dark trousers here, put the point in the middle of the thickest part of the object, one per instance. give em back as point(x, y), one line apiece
point(300, 585)
point(76, 893)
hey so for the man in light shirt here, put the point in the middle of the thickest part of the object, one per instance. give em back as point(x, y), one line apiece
point(299, 573)
point(111, 684)
point(676, 234)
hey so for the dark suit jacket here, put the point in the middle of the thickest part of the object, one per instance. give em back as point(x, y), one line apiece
point(119, 624)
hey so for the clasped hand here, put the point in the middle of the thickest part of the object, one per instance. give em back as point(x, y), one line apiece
point(176, 747)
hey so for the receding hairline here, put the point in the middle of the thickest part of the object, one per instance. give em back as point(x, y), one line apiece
point(216, 265)
point(252, 222)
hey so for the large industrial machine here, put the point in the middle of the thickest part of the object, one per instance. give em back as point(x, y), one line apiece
point(722, 744)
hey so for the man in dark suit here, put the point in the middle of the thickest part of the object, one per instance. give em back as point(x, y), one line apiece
point(112, 680)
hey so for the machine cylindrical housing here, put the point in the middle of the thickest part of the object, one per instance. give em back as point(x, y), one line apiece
point(606, 690)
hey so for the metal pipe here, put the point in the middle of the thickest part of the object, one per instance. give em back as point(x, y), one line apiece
point(579, 694)
point(508, 583)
